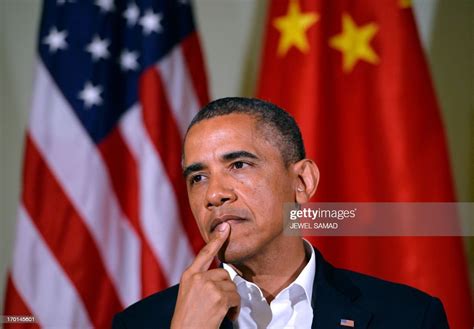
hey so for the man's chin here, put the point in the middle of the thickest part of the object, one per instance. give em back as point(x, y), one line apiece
point(232, 255)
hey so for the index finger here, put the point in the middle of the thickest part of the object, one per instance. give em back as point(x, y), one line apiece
point(205, 257)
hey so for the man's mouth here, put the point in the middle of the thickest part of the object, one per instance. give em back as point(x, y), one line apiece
point(231, 219)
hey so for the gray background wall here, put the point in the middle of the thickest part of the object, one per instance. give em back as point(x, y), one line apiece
point(231, 32)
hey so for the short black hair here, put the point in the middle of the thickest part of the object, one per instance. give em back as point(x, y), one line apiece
point(285, 133)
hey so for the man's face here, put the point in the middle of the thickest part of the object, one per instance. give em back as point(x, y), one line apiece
point(234, 174)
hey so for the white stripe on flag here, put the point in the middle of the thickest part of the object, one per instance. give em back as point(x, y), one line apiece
point(159, 213)
point(84, 177)
point(180, 92)
point(41, 282)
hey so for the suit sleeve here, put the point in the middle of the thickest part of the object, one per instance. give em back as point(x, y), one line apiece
point(435, 316)
point(117, 322)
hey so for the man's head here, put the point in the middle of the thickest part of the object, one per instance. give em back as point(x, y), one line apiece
point(277, 125)
point(243, 159)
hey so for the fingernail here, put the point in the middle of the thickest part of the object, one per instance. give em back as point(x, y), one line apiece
point(222, 227)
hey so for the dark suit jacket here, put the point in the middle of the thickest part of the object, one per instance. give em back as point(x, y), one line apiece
point(337, 294)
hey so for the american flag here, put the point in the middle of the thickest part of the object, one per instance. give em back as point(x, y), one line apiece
point(103, 216)
point(347, 323)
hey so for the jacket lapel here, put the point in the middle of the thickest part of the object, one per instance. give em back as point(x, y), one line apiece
point(226, 324)
point(334, 297)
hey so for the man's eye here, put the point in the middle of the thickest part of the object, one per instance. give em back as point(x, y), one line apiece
point(196, 179)
point(239, 165)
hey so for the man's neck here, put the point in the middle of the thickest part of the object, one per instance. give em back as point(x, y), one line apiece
point(274, 269)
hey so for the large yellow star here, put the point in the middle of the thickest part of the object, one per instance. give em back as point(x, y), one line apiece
point(354, 43)
point(293, 27)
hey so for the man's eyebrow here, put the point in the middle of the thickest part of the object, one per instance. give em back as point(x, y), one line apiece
point(238, 155)
point(226, 157)
point(192, 168)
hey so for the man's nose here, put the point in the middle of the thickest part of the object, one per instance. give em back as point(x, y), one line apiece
point(219, 192)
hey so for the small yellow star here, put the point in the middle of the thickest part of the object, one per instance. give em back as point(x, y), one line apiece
point(293, 28)
point(404, 3)
point(354, 43)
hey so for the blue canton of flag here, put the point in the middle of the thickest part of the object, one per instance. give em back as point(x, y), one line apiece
point(96, 51)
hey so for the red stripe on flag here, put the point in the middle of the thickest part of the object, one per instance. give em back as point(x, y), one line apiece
point(123, 172)
point(14, 305)
point(164, 134)
point(195, 64)
point(64, 232)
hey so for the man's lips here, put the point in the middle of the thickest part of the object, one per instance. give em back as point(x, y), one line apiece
point(225, 218)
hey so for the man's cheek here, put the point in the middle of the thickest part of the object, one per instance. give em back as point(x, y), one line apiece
point(202, 229)
point(196, 201)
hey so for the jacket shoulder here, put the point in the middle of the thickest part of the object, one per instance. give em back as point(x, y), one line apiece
point(389, 300)
point(154, 311)
point(379, 289)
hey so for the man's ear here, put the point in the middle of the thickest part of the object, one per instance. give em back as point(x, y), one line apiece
point(307, 179)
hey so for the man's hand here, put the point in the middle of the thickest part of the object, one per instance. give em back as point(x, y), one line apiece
point(206, 296)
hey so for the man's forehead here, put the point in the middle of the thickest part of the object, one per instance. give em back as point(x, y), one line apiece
point(241, 126)
point(231, 120)
point(221, 135)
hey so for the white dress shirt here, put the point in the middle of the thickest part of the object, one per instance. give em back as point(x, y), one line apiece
point(291, 308)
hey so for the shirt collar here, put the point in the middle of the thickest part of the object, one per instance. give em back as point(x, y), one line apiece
point(305, 279)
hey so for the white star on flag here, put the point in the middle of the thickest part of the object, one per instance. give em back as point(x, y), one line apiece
point(131, 14)
point(128, 60)
point(91, 95)
point(98, 48)
point(151, 22)
point(56, 40)
point(105, 5)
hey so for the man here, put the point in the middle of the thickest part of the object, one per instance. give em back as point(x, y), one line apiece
point(242, 160)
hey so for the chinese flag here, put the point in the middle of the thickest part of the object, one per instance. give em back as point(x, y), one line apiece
point(354, 76)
